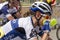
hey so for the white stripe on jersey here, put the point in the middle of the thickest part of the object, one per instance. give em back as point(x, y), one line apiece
point(7, 28)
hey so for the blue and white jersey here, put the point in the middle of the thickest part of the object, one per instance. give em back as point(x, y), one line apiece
point(25, 23)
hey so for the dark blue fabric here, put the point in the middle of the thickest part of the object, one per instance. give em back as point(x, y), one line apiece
point(13, 34)
point(4, 10)
point(40, 33)
point(0, 12)
point(46, 26)
point(36, 9)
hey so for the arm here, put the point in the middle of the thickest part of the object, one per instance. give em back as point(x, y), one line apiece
point(44, 37)
point(9, 17)
point(46, 30)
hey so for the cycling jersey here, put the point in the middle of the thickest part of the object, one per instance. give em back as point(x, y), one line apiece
point(25, 23)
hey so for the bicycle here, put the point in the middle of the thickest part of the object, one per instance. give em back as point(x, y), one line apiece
point(57, 32)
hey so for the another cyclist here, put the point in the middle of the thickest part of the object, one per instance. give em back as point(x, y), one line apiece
point(11, 10)
point(33, 25)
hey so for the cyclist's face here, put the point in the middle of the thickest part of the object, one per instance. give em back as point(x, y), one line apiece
point(44, 16)
point(38, 14)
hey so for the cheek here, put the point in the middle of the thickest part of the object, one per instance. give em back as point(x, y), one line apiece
point(41, 22)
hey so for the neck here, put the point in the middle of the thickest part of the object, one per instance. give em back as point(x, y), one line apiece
point(34, 21)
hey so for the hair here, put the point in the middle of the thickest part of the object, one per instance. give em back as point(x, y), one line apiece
point(29, 13)
point(19, 4)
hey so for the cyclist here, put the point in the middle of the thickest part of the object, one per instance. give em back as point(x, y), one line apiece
point(11, 10)
point(32, 24)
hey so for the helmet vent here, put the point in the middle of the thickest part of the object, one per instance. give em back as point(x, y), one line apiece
point(33, 6)
point(47, 6)
point(42, 7)
point(35, 3)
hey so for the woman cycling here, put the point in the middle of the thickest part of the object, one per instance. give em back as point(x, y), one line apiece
point(32, 25)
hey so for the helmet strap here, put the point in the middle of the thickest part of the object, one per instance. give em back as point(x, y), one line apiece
point(38, 20)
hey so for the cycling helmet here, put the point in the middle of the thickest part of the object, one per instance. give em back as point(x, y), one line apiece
point(42, 7)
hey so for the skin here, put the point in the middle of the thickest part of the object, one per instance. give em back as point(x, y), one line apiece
point(38, 15)
point(0, 1)
point(10, 18)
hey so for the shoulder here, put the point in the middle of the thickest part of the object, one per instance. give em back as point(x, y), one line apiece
point(25, 18)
